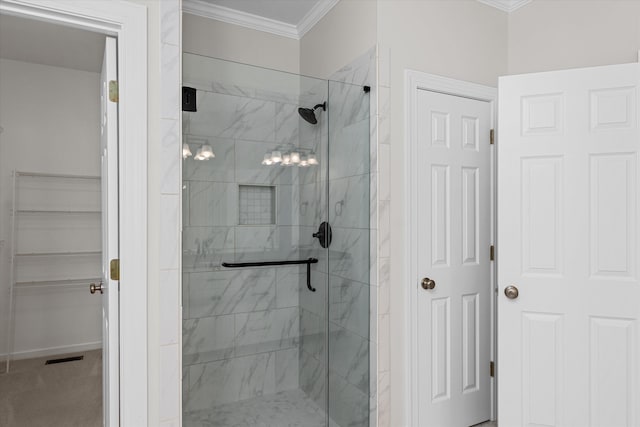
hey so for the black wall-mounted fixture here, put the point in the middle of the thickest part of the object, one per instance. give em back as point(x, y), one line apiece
point(188, 99)
point(309, 114)
point(324, 234)
point(366, 89)
point(308, 261)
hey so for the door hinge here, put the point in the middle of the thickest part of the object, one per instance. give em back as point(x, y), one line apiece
point(492, 137)
point(492, 253)
point(113, 91)
point(114, 268)
point(492, 369)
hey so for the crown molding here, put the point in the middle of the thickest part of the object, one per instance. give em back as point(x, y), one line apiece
point(255, 22)
point(317, 12)
point(506, 5)
point(236, 17)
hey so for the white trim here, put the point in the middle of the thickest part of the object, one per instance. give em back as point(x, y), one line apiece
point(415, 80)
point(506, 5)
point(238, 17)
point(260, 23)
point(314, 16)
point(51, 351)
point(128, 22)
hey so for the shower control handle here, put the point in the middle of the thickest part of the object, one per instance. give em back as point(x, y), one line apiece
point(324, 234)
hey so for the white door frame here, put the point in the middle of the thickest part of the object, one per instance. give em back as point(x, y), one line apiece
point(415, 80)
point(128, 22)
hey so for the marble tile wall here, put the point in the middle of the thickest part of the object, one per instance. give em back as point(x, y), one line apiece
point(372, 68)
point(312, 210)
point(349, 179)
point(346, 273)
point(383, 205)
point(241, 327)
point(260, 330)
point(169, 405)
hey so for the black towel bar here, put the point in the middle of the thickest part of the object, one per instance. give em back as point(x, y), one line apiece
point(307, 261)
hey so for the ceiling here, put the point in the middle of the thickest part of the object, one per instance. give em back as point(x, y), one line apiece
point(289, 18)
point(49, 44)
point(44, 43)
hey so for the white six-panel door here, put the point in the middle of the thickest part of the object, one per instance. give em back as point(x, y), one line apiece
point(569, 230)
point(453, 227)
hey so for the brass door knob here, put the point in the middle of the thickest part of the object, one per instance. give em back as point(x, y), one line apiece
point(93, 288)
point(428, 284)
point(511, 292)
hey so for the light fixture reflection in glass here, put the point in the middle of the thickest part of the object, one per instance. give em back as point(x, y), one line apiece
point(295, 157)
point(289, 155)
point(186, 151)
point(311, 159)
point(276, 156)
point(199, 155)
point(267, 159)
point(207, 152)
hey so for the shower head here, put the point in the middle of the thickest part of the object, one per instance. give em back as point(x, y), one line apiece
point(309, 114)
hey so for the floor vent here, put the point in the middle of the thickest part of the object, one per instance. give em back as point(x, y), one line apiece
point(63, 360)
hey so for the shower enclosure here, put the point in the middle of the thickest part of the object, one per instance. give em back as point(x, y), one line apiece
point(276, 294)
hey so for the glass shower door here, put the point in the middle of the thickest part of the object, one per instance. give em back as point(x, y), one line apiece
point(349, 290)
point(268, 157)
point(254, 188)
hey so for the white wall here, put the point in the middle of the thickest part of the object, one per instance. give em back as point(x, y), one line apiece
point(466, 40)
point(217, 39)
point(163, 205)
point(51, 124)
point(462, 39)
point(560, 34)
point(342, 35)
point(456, 38)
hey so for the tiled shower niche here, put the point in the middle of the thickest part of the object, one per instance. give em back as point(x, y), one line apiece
point(258, 345)
point(257, 205)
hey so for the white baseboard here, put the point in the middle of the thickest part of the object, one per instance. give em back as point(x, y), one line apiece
point(42, 352)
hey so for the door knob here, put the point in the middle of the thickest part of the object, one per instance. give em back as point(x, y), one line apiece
point(511, 292)
point(93, 288)
point(428, 284)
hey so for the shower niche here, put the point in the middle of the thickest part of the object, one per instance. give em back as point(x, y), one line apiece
point(257, 205)
point(275, 316)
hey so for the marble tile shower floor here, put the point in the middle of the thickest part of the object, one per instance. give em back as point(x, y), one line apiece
point(285, 409)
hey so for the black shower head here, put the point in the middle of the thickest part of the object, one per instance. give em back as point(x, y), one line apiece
point(309, 114)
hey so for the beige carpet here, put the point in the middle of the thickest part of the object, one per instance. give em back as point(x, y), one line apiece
point(67, 394)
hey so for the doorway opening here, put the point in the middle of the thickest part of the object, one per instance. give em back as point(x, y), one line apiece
point(50, 223)
point(127, 399)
